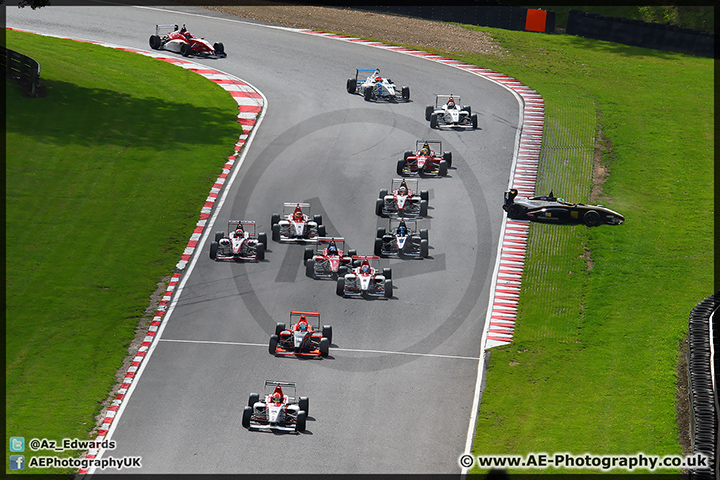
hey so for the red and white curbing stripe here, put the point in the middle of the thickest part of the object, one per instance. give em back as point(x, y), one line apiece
point(250, 104)
point(505, 292)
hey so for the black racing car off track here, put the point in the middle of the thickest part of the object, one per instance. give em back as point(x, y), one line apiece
point(550, 209)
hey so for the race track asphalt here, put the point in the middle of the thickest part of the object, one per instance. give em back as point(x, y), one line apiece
point(402, 372)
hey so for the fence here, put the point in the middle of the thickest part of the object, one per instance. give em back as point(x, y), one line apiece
point(702, 393)
point(23, 70)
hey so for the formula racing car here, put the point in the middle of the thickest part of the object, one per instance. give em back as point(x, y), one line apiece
point(295, 225)
point(551, 209)
point(183, 42)
point(276, 409)
point(402, 201)
point(240, 243)
point(328, 259)
point(365, 280)
point(447, 113)
point(303, 338)
point(402, 238)
point(428, 158)
point(372, 86)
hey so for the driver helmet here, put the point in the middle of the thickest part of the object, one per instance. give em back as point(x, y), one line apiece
point(298, 215)
point(239, 231)
point(451, 102)
point(403, 190)
point(332, 249)
point(365, 268)
point(425, 150)
point(402, 228)
point(276, 398)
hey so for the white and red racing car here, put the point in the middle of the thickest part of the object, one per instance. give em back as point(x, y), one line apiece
point(402, 239)
point(365, 280)
point(276, 410)
point(447, 112)
point(240, 243)
point(328, 259)
point(295, 225)
point(428, 158)
point(402, 200)
point(179, 40)
point(304, 338)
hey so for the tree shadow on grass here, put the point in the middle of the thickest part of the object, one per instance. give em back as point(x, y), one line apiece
point(73, 115)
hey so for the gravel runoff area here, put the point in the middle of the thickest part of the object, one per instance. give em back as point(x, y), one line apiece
point(359, 23)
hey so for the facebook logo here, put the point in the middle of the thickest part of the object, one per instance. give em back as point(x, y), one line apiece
point(17, 462)
point(17, 444)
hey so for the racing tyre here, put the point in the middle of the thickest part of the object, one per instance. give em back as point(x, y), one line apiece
point(442, 169)
point(324, 347)
point(378, 246)
point(279, 327)
point(424, 233)
point(351, 85)
point(342, 271)
point(321, 231)
point(262, 238)
point(301, 421)
point(247, 414)
point(423, 208)
point(254, 398)
point(340, 287)
point(309, 253)
point(367, 93)
point(433, 121)
point(474, 121)
point(387, 273)
point(424, 195)
point(154, 42)
point(516, 211)
point(219, 48)
point(276, 233)
point(219, 235)
point(383, 192)
point(260, 252)
point(310, 268)
point(185, 49)
point(318, 219)
point(388, 288)
point(379, 207)
point(273, 344)
point(591, 218)
point(468, 109)
point(407, 154)
point(400, 166)
point(213, 250)
point(327, 332)
point(428, 112)
point(406, 93)
point(275, 219)
point(351, 253)
point(424, 248)
point(447, 156)
point(380, 232)
point(304, 404)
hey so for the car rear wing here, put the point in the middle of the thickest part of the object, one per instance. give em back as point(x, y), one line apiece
point(411, 223)
point(271, 384)
point(288, 207)
point(312, 315)
point(165, 28)
point(330, 239)
point(366, 72)
point(365, 257)
point(435, 146)
point(412, 184)
point(443, 99)
point(244, 223)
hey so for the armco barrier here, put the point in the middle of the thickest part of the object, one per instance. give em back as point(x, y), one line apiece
point(507, 17)
point(702, 391)
point(641, 34)
point(23, 70)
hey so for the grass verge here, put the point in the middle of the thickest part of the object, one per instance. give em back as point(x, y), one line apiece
point(106, 176)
